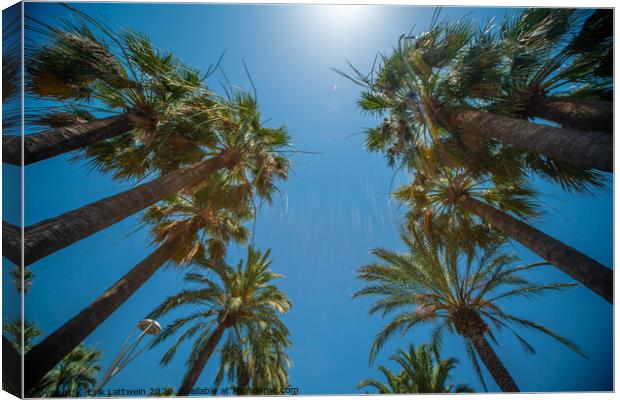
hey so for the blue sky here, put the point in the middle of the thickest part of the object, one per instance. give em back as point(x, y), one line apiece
point(335, 210)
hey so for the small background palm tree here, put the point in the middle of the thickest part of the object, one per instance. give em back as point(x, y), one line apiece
point(240, 301)
point(422, 371)
point(255, 363)
point(72, 377)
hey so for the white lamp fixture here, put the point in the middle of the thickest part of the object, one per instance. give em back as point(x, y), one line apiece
point(130, 349)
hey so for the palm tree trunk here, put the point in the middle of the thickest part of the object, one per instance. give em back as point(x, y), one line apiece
point(244, 383)
point(47, 354)
point(577, 265)
point(583, 149)
point(12, 243)
point(494, 365)
point(11, 368)
point(587, 115)
point(51, 235)
point(12, 149)
point(53, 142)
point(192, 375)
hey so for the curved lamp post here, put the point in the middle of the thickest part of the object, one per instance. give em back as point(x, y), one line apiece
point(130, 349)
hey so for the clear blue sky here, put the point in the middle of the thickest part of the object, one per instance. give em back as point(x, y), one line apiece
point(336, 208)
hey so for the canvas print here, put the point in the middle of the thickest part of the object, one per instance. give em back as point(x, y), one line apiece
point(306, 199)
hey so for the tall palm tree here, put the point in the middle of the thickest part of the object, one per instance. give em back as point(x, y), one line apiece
point(413, 83)
point(457, 292)
point(249, 152)
point(143, 87)
point(422, 371)
point(255, 363)
point(242, 303)
point(453, 197)
point(185, 227)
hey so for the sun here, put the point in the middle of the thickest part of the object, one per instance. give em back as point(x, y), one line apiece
point(344, 18)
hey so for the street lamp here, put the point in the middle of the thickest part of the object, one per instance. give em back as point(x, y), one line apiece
point(129, 350)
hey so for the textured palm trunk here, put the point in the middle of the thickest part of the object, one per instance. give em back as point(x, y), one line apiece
point(579, 148)
point(494, 365)
point(577, 265)
point(587, 115)
point(11, 243)
point(11, 368)
point(12, 149)
point(244, 383)
point(47, 354)
point(192, 375)
point(53, 142)
point(51, 235)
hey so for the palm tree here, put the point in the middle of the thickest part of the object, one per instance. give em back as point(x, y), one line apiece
point(14, 348)
point(69, 378)
point(453, 197)
point(545, 54)
point(249, 152)
point(11, 90)
point(75, 65)
point(14, 330)
point(12, 243)
point(422, 371)
point(255, 363)
point(593, 41)
point(535, 67)
point(415, 85)
point(74, 376)
point(11, 56)
point(243, 303)
point(22, 278)
point(185, 227)
point(454, 291)
point(11, 377)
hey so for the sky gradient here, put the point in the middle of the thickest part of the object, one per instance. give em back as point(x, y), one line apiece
point(336, 206)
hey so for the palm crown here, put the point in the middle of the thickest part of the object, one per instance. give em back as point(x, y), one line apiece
point(30, 332)
point(74, 375)
point(166, 102)
point(261, 150)
point(203, 220)
point(542, 53)
point(255, 362)
point(457, 292)
point(422, 371)
point(435, 200)
point(244, 299)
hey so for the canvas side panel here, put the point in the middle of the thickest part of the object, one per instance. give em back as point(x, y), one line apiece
point(12, 201)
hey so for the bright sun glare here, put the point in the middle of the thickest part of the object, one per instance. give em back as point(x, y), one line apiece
point(344, 17)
